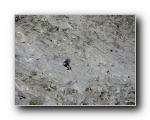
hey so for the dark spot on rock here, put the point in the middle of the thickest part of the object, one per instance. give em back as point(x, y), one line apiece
point(111, 50)
point(33, 73)
point(30, 76)
point(17, 18)
point(117, 25)
point(128, 76)
point(88, 89)
point(130, 103)
point(54, 87)
point(107, 71)
point(66, 16)
point(22, 97)
point(85, 103)
point(57, 29)
point(48, 89)
point(16, 55)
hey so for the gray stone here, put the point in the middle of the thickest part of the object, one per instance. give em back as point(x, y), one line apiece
point(95, 44)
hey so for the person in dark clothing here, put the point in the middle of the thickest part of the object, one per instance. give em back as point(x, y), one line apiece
point(66, 64)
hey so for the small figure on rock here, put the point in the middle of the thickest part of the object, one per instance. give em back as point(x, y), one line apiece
point(66, 64)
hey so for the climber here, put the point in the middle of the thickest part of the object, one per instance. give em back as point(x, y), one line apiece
point(66, 64)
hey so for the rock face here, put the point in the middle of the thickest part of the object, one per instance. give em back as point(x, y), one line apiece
point(102, 53)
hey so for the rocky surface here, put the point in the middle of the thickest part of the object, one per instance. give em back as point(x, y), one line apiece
point(102, 53)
